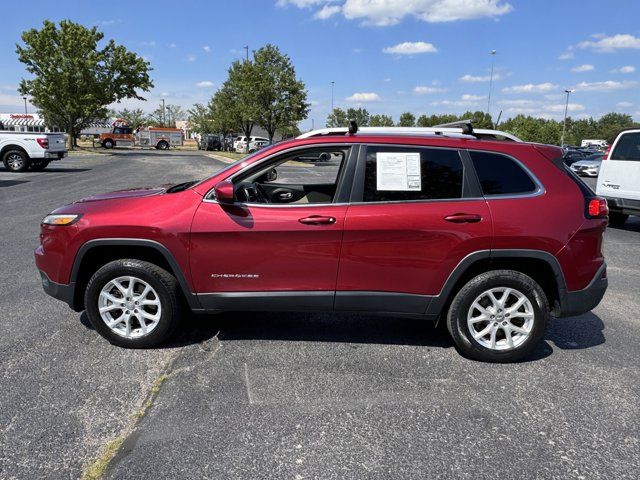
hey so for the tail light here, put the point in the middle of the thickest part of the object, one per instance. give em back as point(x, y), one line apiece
point(597, 208)
point(43, 142)
point(606, 153)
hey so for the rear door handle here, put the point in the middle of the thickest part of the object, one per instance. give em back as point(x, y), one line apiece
point(317, 220)
point(463, 218)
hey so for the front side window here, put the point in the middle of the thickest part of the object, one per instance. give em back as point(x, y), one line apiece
point(399, 174)
point(628, 147)
point(501, 175)
point(298, 177)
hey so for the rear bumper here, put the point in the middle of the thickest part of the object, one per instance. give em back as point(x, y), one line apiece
point(55, 155)
point(623, 205)
point(585, 300)
point(58, 291)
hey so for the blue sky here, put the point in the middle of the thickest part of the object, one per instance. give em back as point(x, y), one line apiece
point(390, 56)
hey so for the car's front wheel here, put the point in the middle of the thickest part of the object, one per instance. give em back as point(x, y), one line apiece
point(498, 316)
point(132, 303)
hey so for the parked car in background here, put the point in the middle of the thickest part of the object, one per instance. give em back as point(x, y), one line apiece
point(490, 237)
point(619, 179)
point(210, 141)
point(257, 145)
point(594, 143)
point(240, 143)
point(22, 150)
point(572, 155)
point(589, 167)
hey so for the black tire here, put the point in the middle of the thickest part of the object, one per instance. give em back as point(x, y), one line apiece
point(457, 315)
point(162, 145)
point(617, 219)
point(39, 165)
point(108, 144)
point(159, 279)
point(16, 161)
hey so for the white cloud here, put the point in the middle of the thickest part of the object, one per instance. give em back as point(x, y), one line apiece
point(411, 48)
point(391, 12)
point(363, 97)
point(583, 68)
point(191, 57)
point(205, 84)
point(150, 43)
point(206, 48)
point(624, 104)
point(559, 107)
point(423, 90)
point(517, 103)
point(606, 86)
point(531, 88)
point(611, 44)
point(172, 45)
point(301, 3)
point(475, 79)
point(327, 11)
point(387, 80)
point(625, 69)
point(566, 56)
point(472, 98)
point(465, 100)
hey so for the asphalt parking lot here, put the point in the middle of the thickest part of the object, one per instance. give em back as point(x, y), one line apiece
point(299, 396)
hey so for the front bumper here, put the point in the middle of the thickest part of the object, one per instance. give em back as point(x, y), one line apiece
point(58, 291)
point(585, 300)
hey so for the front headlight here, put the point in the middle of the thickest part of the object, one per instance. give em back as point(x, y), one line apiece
point(61, 219)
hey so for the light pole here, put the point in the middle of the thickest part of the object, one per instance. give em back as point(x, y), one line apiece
point(493, 58)
point(564, 123)
point(164, 115)
point(25, 105)
point(246, 47)
point(332, 85)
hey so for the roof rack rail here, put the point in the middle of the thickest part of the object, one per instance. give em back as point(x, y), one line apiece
point(456, 130)
point(465, 125)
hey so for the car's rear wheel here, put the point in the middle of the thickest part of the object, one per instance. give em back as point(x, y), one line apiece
point(16, 161)
point(162, 145)
point(108, 144)
point(39, 165)
point(617, 219)
point(132, 303)
point(498, 316)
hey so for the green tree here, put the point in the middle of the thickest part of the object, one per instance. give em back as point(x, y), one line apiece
point(134, 118)
point(337, 118)
point(222, 114)
point(612, 123)
point(200, 119)
point(281, 97)
point(74, 78)
point(480, 119)
point(360, 115)
point(432, 120)
point(407, 119)
point(381, 121)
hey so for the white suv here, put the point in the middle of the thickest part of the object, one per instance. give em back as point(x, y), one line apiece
point(619, 178)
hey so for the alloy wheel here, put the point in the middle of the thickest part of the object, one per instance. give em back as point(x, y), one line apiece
point(15, 161)
point(501, 318)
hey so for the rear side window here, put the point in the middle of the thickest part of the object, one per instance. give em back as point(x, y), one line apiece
point(628, 147)
point(501, 175)
point(399, 174)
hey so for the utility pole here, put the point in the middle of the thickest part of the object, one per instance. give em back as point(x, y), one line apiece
point(493, 58)
point(313, 124)
point(332, 85)
point(246, 47)
point(164, 114)
point(25, 105)
point(564, 123)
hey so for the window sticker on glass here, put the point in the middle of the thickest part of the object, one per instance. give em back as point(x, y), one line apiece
point(398, 171)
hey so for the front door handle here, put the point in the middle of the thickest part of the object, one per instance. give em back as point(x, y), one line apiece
point(317, 220)
point(463, 218)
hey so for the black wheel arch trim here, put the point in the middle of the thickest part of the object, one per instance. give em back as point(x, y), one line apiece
point(190, 297)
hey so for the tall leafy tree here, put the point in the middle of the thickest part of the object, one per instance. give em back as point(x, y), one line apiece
point(360, 115)
point(281, 97)
point(337, 118)
point(200, 119)
point(432, 120)
point(75, 76)
point(134, 118)
point(407, 119)
point(381, 121)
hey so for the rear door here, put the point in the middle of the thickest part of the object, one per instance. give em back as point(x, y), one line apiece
point(416, 212)
point(620, 174)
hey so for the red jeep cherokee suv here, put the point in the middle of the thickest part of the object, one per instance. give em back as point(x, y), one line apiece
point(474, 228)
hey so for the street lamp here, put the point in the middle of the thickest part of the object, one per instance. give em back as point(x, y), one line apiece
point(564, 123)
point(493, 58)
point(25, 105)
point(332, 85)
point(246, 47)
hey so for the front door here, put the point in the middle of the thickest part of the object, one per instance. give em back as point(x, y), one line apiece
point(278, 246)
point(415, 215)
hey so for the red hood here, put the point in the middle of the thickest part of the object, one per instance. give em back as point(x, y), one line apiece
point(133, 192)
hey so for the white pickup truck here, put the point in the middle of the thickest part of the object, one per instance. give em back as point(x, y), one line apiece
point(22, 150)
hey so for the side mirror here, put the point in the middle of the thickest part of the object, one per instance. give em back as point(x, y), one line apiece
point(272, 175)
point(224, 191)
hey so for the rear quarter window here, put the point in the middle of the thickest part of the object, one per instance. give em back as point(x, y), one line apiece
point(628, 147)
point(501, 175)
